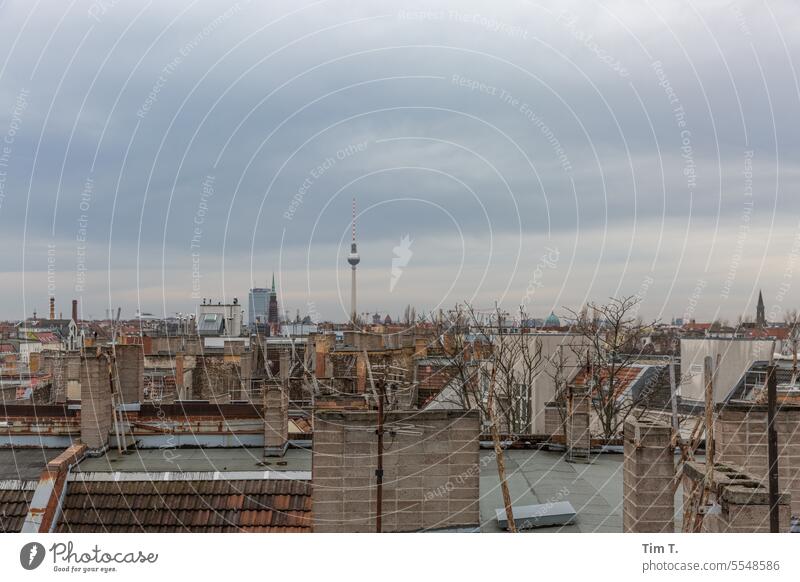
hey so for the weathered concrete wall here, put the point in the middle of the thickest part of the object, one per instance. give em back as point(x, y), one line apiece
point(648, 473)
point(557, 348)
point(735, 356)
point(96, 411)
point(431, 477)
point(741, 440)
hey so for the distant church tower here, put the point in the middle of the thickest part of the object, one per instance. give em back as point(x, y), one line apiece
point(761, 318)
point(272, 314)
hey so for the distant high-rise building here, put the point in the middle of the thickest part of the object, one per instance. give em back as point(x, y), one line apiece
point(263, 315)
point(761, 317)
point(258, 307)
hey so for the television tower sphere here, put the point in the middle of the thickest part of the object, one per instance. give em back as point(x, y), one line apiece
point(353, 258)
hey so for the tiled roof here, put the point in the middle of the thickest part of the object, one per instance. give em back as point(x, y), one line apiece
point(47, 337)
point(624, 378)
point(780, 333)
point(219, 505)
point(15, 498)
point(697, 326)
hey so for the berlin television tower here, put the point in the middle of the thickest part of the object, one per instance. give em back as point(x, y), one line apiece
point(353, 259)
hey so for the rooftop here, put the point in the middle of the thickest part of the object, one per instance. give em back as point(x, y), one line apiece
point(544, 477)
point(15, 499)
point(25, 464)
point(203, 505)
point(196, 460)
point(130, 492)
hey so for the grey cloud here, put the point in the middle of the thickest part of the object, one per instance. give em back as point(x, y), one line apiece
point(570, 119)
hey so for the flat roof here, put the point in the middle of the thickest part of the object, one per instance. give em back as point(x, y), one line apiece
point(25, 463)
point(538, 476)
point(197, 460)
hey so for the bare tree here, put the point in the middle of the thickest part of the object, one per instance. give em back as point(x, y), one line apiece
point(612, 337)
point(459, 357)
point(513, 361)
point(493, 366)
point(470, 345)
point(560, 372)
point(515, 357)
point(409, 315)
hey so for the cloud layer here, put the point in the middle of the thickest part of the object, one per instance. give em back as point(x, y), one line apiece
point(155, 153)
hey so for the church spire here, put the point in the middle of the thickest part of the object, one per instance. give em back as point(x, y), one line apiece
point(761, 319)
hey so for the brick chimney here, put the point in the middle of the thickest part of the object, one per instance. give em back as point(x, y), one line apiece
point(52, 308)
point(75, 310)
point(96, 411)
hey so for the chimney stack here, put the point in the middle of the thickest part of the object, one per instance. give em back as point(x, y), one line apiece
point(75, 310)
point(96, 408)
point(276, 411)
point(276, 420)
point(284, 366)
point(52, 307)
point(129, 373)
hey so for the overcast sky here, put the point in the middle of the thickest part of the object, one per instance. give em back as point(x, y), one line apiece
point(537, 153)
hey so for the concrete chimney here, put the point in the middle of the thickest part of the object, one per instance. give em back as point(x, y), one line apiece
point(284, 366)
point(414, 498)
point(52, 308)
point(75, 310)
point(96, 411)
point(648, 471)
point(276, 420)
point(129, 372)
point(578, 437)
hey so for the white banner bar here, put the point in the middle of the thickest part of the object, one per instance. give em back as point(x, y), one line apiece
point(230, 557)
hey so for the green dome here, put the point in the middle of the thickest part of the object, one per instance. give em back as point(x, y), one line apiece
point(552, 321)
